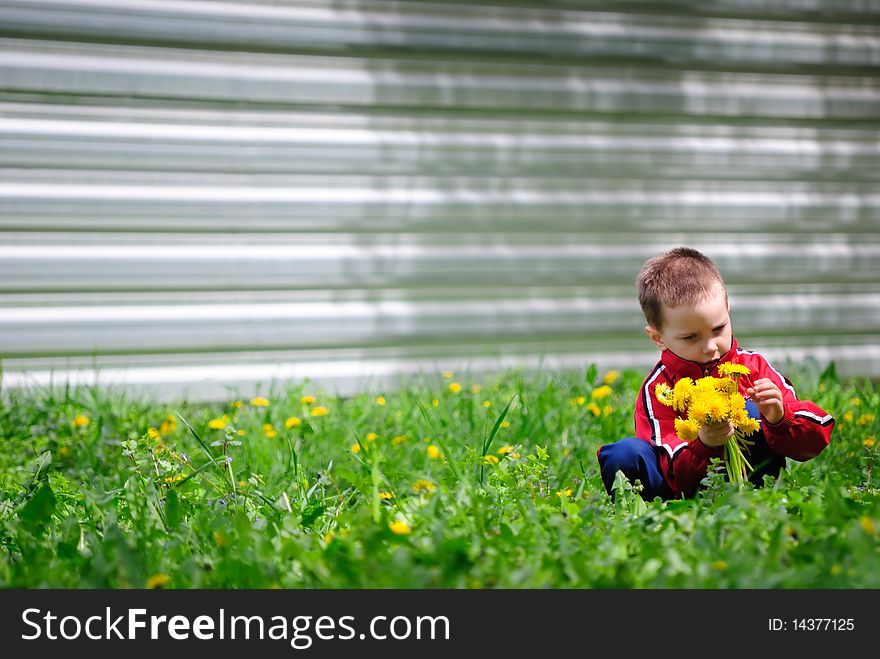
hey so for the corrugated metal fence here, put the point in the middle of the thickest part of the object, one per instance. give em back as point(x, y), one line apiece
point(198, 197)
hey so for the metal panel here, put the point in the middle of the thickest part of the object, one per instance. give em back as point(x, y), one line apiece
point(198, 197)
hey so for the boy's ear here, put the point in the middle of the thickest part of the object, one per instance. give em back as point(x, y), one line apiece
point(654, 335)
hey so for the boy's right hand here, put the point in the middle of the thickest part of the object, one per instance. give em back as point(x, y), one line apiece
point(714, 435)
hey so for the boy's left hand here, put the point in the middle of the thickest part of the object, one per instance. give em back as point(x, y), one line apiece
point(768, 398)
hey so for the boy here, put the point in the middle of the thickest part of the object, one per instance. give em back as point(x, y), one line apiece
point(685, 303)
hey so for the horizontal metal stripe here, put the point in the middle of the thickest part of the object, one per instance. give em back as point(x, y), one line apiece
point(374, 263)
point(160, 146)
point(635, 342)
point(320, 244)
point(130, 71)
point(867, 11)
point(617, 291)
point(337, 192)
point(99, 114)
point(439, 161)
point(137, 134)
point(359, 372)
point(77, 330)
point(461, 28)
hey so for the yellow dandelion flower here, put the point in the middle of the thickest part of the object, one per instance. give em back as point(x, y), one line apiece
point(372, 437)
point(356, 448)
point(566, 492)
point(259, 401)
point(423, 486)
point(386, 496)
point(594, 409)
point(487, 403)
point(454, 387)
point(380, 400)
point(433, 452)
point(727, 386)
point(63, 452)
point(152, 433)
point(505, 424)
point(867, 525)
point(399, 439)
point(435, 403)
point(607, 410)
point(686, 429)
point(292, 422)
point(610, 376)
point(328, 537)
point(81, 420)
point(490, 459)
point(448, 375)
point(168, 425)
point(699, 410)
point(663, 392)
point(242, 484)
point(504, 450)
point(269, 430)
point(719, 565)
point(319, 411)
point(158, 581)
point(835, 570)
point(400, 528)
point(240, 433)
point(681, 394)
point(236, 404)
point(869, 443)
point(475, 388)
point(719, 407)
point(600, 392)
point(307, 400)
point(729, 368)
point(217, 424)
point(855, 401)
point(580, 400)
point(865, 419)
point(748, 425)
point(848, 417)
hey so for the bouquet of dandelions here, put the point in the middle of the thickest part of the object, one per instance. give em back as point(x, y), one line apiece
point(714, 400)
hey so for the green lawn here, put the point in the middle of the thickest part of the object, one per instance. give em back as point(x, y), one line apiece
point(453, 483)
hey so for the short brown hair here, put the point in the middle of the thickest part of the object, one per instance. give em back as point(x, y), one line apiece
point(679, 276)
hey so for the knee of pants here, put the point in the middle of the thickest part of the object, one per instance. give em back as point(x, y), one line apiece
point(624, 455)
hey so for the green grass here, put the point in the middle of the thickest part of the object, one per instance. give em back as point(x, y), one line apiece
point(495, 485)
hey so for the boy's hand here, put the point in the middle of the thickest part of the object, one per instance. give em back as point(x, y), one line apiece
point(714, 435)
point(768, 398)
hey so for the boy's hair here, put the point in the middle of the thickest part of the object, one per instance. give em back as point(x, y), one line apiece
point(679, 276)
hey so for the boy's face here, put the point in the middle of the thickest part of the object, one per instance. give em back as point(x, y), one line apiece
point(699, 333)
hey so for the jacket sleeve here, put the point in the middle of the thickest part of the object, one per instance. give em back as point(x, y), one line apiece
point(805, 428)
point(683, 464)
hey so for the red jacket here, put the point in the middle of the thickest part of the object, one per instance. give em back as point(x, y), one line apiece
point(801, 434)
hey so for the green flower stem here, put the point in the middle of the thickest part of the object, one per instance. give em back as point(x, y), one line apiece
point(738, 467)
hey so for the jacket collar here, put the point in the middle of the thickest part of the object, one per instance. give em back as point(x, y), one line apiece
point(684, 368)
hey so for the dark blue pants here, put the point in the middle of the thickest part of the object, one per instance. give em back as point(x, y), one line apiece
point(638, 459)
